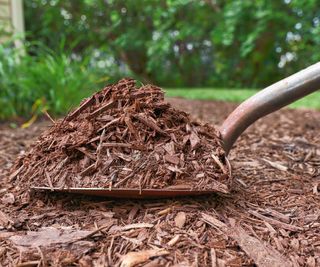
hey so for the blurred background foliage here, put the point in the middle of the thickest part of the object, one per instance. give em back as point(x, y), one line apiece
point(50, 81)
point(238, 43)
point(75, 47)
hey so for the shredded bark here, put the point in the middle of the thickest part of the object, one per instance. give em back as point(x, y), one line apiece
point(271, 217)
point(126, 137)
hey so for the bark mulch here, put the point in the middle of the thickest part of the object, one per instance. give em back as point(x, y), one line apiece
point(271, 217)
point(126, 137)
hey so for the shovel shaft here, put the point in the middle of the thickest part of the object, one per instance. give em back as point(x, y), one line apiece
point(269, 100)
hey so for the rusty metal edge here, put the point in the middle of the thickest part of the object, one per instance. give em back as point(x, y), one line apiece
point(127, 193)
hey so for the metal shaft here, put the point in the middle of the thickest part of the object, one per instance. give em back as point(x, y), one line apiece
point(269, 100)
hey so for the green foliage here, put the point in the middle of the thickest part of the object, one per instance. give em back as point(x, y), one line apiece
point(50, 81)
point(185, 42)
point(172, 43)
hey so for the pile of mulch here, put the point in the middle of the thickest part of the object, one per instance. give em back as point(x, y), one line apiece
point(271, 218)
point(126, 137)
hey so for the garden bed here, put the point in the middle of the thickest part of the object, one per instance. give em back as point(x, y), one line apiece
point(271, 218)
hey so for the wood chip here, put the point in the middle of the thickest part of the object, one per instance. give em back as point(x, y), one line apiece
point(279, 224)
point(165, 211)
point(8, 199)
point(5, 219)
point(262, 255)
point(213, 257)
point(194, 139)
point(15, 173)
point(131, 226)
point(180, 219)
point(213, 221)
point(276, 165)
point(135, 258)
point(174, 240)
point(47, 236)
point(102, 109)
point(172, 159)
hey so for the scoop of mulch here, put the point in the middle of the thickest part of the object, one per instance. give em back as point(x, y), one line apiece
point(126, 137)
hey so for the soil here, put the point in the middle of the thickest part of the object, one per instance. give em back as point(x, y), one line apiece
point(271, 217)
point(126, 137)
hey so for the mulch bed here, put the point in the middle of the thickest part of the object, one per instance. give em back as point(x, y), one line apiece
point(126, 137)
point(271, 217)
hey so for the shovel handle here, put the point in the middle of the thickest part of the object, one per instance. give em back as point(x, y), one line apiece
point(269, 100)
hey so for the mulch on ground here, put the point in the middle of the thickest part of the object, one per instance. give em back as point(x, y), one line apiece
point(271, 217)
point(126, 136)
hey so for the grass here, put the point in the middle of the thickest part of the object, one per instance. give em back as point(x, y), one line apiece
point(236, 95)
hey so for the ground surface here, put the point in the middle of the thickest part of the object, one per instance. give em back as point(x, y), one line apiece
point(272, 217)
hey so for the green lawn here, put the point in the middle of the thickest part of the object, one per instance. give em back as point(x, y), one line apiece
point(235, 95)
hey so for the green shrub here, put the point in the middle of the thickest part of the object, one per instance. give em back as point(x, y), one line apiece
point(43, 80)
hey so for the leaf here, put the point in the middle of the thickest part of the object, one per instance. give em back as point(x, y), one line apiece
point(29, 122)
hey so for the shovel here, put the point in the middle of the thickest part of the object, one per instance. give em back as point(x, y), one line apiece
point(261, 104)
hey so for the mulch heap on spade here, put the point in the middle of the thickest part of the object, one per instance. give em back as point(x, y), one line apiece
point(126, 137)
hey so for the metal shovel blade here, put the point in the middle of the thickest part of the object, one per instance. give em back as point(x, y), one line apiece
point(128, 193)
